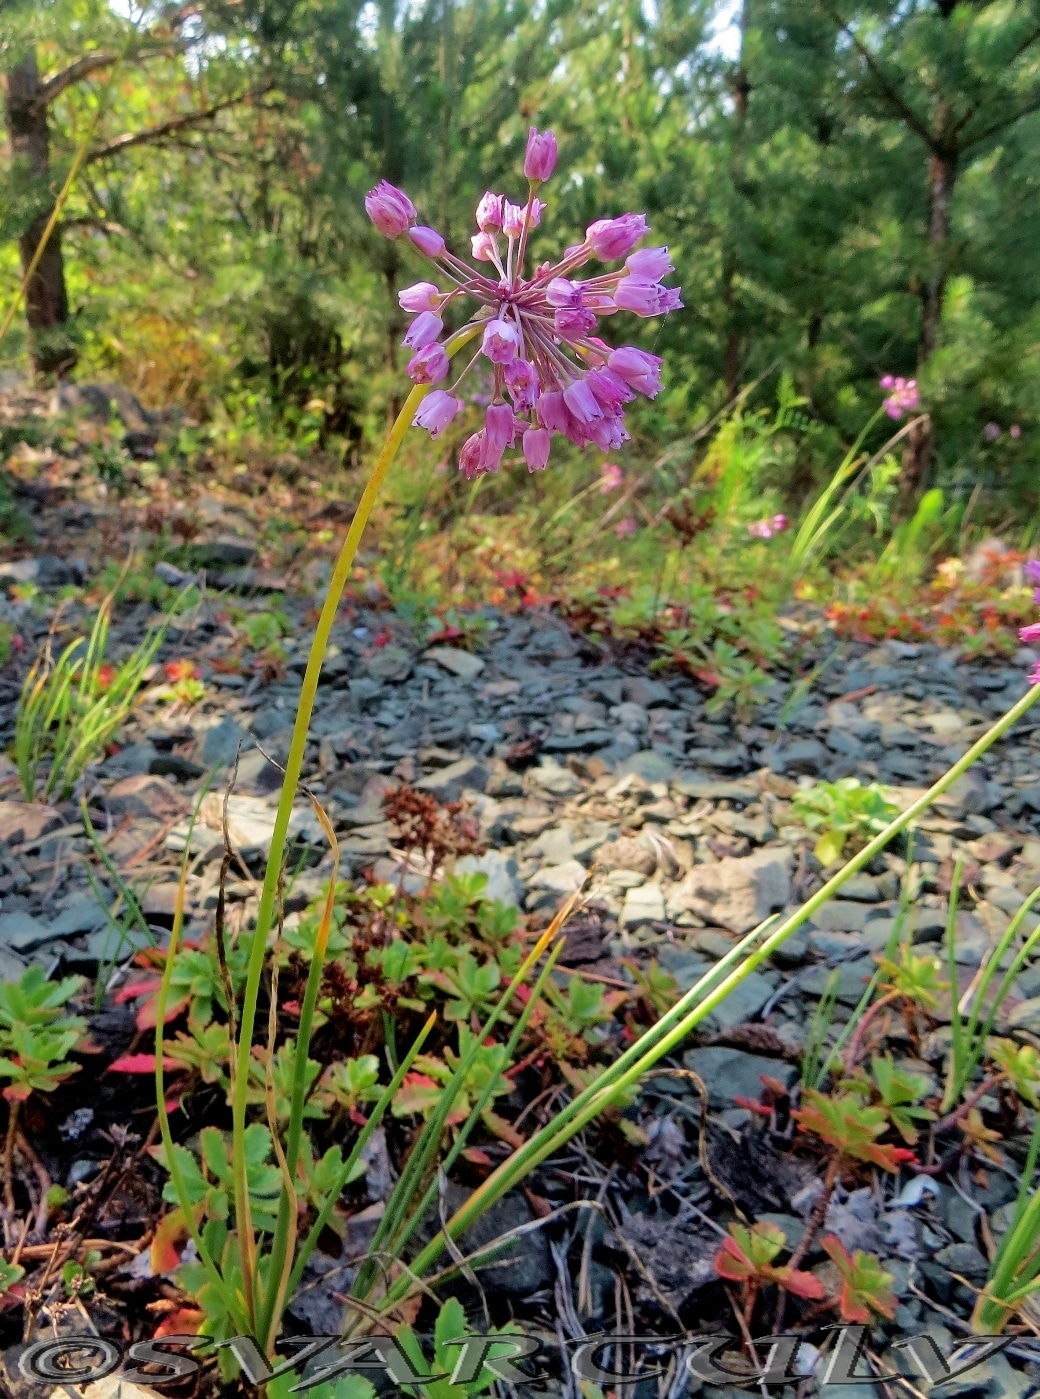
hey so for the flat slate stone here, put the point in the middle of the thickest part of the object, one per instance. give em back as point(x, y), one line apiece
point(733, 1073)
point(22, 821)
point(460, 663)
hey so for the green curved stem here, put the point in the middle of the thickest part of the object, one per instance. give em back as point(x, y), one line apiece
point(293, 768)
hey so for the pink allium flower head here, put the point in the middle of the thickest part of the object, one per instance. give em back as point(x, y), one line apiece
point(500, 342)
point(522, 382)
point(639, 369)
point(610, 239)
point(513, 217)
point(550, 371)
point(483, 247)
point(902, 396)
point(429, 366)
point(423, 331)
point(611, 477)
point(436, 411)
point(991, 432)
point(540, 157)
point(1015, 430)
point(1030, 634)
point(490, 209)
point(390, 209)
point(536, 448)
point(625, 527)
point(649, 262)
point(424, 296)
point(427, 240)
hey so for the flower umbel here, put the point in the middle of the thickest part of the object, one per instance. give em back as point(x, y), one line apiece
point(765, 529)
point(551, 371)
point(902, 396)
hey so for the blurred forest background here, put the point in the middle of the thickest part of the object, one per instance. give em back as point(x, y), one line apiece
point(849, 189)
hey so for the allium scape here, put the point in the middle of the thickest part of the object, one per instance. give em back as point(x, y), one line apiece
point(552, 373)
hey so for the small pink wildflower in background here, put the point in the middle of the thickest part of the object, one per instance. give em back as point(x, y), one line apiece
point(551, 372)
point(902, 396)
point(1015, 430)
point(991, 432)
point(765, 529)
point(611, 477)
point(625, 527)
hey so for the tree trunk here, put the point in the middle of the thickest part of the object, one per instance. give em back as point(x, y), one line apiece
point(942, 177)
point(741, 92)
point(46, 298)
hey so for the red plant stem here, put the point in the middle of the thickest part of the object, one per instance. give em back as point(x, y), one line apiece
point(813, 1225)
point(952, 1118)
point(855, 1045)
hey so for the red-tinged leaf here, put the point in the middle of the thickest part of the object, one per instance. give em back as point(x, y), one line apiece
point(753, 1105)
point(172, 1230)
point(185, 1321)
point(502, 1129)
point(140, 1064)
point(133, 989)
point(146, 1017)
point(801, 1284)
point(865, 1286)
point(477, 1157)
point(731, 1264)
point(17, 1092)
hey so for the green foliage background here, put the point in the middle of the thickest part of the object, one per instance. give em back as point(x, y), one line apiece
point(790, 167)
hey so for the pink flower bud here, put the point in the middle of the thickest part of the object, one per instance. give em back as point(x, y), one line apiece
point(640, 296)
point(522, 383)
point(429, 366)
point(436, 411)
point(611, 477)
point(639, 369)
point(610, 239)
point(427, 240)
point(552, 412)
point(610, 389)
point(489, 211)
point(390, 209)
point(483, 246)
point(650, 262)
point(625, 527)
point(561, 292)
point(1030, 634)
point(423, 331)
point(513, 217)
point(500, 342)
point(608, 433)
point(536, 448)
point(540, 157)
point(424, 296)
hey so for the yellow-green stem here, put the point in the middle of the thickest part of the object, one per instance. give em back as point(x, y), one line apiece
point(293, 768)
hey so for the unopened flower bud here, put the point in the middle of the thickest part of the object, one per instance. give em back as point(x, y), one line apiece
point(540, 159)
point(536, 448)
point(423, 331)
point(489, 211)
point(423, 296)
point(610, 239)
point(390, 209)
point(427, 240)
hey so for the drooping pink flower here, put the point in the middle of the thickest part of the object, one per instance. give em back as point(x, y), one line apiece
point(1033, 571)
point(625, 527)
point(540, 156)
point(610, 239)
point(639, 369)
point(429, 366)
point(428, 241)
point(611, 477)
point(423, 331)
point(536, 448)
point(903, 396)
point(537, 328)
point(1030, 634)
point(501, 342)
point(424, 296)
point(390, 209)
point(436, 411)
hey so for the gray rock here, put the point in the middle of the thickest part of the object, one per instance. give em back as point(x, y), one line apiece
point(22, 932)
point(648, 764)
point(744, 1002)
point(81, 915)
point(736, 893)
point(145, 795)
point(132, 760)
point(852, 979)
point(224, 550)
point(641, 690)
point(23, 821)
point(644, 904)
point(841, 916)
point(732, 1073)
point(448, 784)
point(683, 963)
point(460, 663)
point(970, 793)
point(963, 1258)
point(222, 741)
point(551, 777)
point(390, 663)
point(559, 879)
point(861, 887)
point(1026, 1016)
point(627, 853)
point(501, 872)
